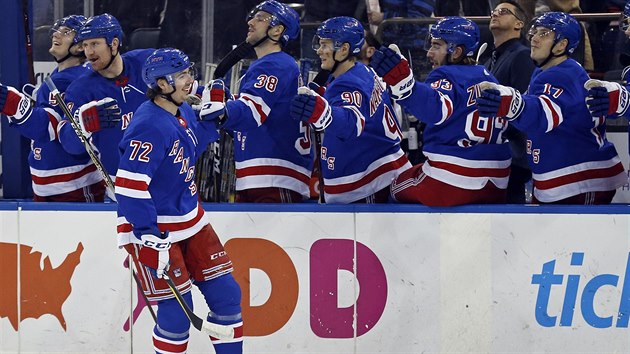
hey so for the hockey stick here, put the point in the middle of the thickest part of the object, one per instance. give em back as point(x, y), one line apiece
point(86, 144)
point(29, 43)
point(242, 51)
point(320, 79)
point(481, 50)
point(215, 330)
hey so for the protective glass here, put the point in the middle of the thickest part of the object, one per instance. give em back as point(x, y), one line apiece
point(316, 45)
point(191, 72)
point(63, 31)
point(259, 16)
point(541, 33)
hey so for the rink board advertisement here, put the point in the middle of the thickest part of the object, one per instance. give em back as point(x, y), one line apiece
point(422, 281)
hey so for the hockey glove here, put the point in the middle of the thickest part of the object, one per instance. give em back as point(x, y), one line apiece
point(95, 115)
point(312, 108)
point(14, 104)
point(606, 98)
point(213, 102)
point(499, 101)
point(394, 69)
point(154, 253)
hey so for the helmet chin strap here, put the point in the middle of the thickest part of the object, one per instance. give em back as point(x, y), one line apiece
point(169, 97)
point(266, 37)
point(69, 55)
point(337, 62)
point(113, 56)
point(550, 56)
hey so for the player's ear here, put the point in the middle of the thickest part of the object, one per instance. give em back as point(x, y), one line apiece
point(457, 53)
point(560, 46)
point(519, 25)
point(162, 84)
point(276, 31)
point(116, 43)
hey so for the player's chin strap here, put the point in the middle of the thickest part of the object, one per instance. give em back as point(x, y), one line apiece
point(111, 60)
point(70, 55)
point(551, 56)
point(337, 62)
point(266, 37)
point(169, 97)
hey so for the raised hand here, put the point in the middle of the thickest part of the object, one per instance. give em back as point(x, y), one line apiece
point(154, 253)
point(213, 102)
point(312, 108)
point(394, 68)
point(95, 115)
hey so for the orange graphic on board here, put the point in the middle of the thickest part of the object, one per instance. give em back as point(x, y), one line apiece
point(43, 291)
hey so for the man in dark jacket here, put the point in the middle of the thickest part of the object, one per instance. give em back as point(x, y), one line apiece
point(512, 66)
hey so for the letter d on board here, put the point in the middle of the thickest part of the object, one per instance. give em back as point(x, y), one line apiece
point(328, 320)
point(247, 253)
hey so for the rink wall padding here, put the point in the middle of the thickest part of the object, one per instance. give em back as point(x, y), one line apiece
point(336, 279)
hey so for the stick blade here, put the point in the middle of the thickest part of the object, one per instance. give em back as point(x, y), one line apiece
point(217, 331)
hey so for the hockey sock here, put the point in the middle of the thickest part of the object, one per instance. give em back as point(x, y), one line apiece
point(223, 296)
point(170, 334)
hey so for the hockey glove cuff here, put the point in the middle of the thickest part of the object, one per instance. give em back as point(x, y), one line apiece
point(17, 106)
point(499, 101)
point(154, 253)
point(312, 108)
point(194, 94)
point(606, 98)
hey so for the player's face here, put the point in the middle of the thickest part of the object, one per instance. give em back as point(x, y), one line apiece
point(257, 27)
point(625, 25)
point(61, 41)
point(542, 41)
point(437, 53)
point(325, 52)
point(97, 52)
point(183, 83)
point(503, 17)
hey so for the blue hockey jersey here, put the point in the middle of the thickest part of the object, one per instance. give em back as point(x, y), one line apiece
point(53, 170)
point(567, 148)
point(361, 151)
point(155, 183)
point(462, 148)
point(270, 148)
point(128, 89)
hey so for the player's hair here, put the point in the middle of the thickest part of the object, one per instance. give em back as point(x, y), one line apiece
point(519, 13)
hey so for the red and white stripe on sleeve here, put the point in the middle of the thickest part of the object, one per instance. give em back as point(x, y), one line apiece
point(132, 185)
point(260, 110)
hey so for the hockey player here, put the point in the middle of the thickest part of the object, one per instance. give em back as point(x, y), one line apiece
point(361, 152)
point(468, 161)
point(103, 101)
point(160, 221)
point(272, 152)
point(571, 160)
point(57, 176)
